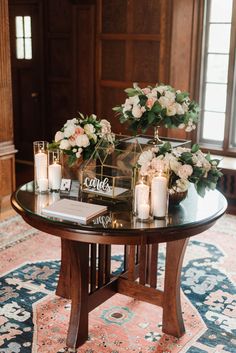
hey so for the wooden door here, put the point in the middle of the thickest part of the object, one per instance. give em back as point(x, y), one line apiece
point(27, 76)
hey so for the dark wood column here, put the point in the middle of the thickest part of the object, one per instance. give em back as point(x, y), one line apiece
point(7, 148)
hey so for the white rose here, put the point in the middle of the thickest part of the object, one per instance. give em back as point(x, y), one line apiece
point(171, 110)
point(89, 129)
point(145, 157)
point(175, 165)
point(185, 171)
point(146, 90)
point(179, 109)
point(105, 127)
point(162, 89)
point(170, 95)
point(69, 130)
point(59, 136)
point(64, 145)
point(134, 100)
point(179, 150)
point(158, 164)
point(182, 185)
point(127, 106)
point(168, 157)
point(181, 126)
point(155, 149)
point(188, 128)
point(137, 112)
point(164, 102)
point(82, 141)
point(206, 165)
point(153, 93)
point(144, 170)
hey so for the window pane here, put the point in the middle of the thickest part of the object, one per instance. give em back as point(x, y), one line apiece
point(233, 131)
point(217, 68)
point(19, 48)
point(213, 126)
point(27, 25)
point(19, 26)
point(215, 97)
point(219, 38)
point(221, 11)
point(28, 48)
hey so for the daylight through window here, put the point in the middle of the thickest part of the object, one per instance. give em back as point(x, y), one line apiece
point(23, 37)
point(218, 67)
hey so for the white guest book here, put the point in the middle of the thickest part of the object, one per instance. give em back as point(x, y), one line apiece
point(73, 210)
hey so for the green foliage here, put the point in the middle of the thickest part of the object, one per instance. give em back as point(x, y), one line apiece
point(195, 148)
point(205, 173)
point(150, 110)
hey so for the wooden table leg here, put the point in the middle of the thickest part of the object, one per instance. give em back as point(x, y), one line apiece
point(172, 313)
point(63, 286)
point(78, 325)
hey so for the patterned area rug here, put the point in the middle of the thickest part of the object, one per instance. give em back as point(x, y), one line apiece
point(33, 319)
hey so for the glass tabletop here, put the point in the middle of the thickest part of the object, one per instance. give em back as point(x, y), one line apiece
point(194, 210)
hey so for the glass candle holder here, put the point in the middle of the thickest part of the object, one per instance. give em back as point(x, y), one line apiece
point(40, 166)
point(54, 169)
point(141, 205)
point(159, 194)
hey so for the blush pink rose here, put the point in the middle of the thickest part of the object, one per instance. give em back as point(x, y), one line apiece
point(150, 102)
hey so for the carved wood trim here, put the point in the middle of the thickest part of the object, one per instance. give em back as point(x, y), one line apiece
point(7, 148)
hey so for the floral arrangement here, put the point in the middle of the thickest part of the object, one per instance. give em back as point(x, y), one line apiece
point(186, 165)
point(156, 106)
point(79, 136)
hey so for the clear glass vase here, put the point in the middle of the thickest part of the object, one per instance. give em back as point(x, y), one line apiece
point(156, 140)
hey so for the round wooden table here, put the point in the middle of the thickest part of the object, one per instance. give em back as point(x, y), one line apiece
point(85, 274)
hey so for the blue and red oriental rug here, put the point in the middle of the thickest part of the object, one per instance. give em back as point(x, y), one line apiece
point(33, 319)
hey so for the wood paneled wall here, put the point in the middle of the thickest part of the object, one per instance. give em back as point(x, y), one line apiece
point(133, 45)
point(7, 149)
point(92, 50)
point(69, 61)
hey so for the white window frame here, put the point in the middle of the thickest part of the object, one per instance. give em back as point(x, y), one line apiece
point(225, 147)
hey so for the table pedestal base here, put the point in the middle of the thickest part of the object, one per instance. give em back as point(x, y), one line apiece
point(89, 285)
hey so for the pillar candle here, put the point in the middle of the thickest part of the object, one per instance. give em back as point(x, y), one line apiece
point(40, 161)
point(141, 196)
point(143, 211)
point(159, 196)
point(54, 176)
point(42, 184)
